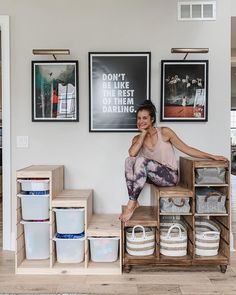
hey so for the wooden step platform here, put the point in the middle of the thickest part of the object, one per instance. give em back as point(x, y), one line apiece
point(104, 225)
point(144, 215)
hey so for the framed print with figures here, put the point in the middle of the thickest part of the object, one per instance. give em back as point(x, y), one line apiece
point(184, 90)
point(55, 91)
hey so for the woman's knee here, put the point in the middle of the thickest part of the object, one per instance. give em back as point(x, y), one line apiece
point(129, 161)
point(135, 160)
point(140, 165)
point(140, 160)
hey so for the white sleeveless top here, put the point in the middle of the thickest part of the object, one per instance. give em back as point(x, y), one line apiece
point(162, 152)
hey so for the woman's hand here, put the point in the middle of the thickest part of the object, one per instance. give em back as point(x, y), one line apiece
point(143, 131)
point(137, 143)
point(219, 158)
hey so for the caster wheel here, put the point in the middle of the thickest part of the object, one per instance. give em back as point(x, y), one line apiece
point(127, 268)
point(223, 268)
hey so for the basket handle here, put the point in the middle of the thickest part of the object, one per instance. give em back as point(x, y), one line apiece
point(210, 233)
point(210, 194)
point(142, 228)
point(177, 205)
point(170, 229)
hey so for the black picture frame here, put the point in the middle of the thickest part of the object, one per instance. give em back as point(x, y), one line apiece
point(184, 90)
point(55, 93)
point(118, 83)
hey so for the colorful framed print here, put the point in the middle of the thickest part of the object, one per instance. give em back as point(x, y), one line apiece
point(55, 91)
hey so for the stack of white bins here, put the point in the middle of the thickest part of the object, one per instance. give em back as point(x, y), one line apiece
point(34, 197)
point(70, 235)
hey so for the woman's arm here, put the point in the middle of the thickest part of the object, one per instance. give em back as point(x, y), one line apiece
point(137, 143)
point(193, 152)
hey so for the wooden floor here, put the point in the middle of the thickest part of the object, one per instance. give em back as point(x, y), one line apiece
point(207, 280)
point(189, 281)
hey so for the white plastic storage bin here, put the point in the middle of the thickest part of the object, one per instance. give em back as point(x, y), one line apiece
point(36, 239)
point(104, 249)
point(34, 184)
point(69, 220)
point(35, 207)
point(70, 250)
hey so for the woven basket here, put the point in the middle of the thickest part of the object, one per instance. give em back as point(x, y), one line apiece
point(209, 200)
point(164, 226)
point(140, 241)
point(207, 237)
point(210, 175)
point(172, 243)
point(175, 205)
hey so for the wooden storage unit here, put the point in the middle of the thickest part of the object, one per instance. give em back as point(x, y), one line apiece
point(71, 199)
point(95, 225)
point(222, 219)
point(151, 216)
point(55, 176)
point(107, 225)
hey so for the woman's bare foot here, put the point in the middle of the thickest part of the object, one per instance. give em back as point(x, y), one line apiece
point(129, 210)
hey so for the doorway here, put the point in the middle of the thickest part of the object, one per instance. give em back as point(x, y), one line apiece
point(8, 239)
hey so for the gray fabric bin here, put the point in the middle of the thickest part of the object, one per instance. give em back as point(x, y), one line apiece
point(209, 200)
point(175, 205)
point(210, 175)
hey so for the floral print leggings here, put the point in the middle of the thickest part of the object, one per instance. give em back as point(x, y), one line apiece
point(139, 170)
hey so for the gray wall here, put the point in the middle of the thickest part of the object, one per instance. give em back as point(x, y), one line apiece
point(96, 160)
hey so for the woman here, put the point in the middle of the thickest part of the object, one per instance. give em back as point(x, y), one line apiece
point(152, 157)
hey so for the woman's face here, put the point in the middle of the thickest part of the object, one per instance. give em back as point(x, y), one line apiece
point(144, 120)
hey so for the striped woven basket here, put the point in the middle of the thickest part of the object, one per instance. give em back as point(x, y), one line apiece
point(207, 237)
point(173, 243)
point(165, 225)
point(140, 241)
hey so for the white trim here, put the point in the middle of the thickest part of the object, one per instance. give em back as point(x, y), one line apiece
point(8, 243)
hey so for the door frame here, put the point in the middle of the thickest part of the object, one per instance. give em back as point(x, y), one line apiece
point(8, 231)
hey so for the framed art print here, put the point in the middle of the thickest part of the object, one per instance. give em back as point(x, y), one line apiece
point(118, 84)
point(55, 91)
point(184, 90)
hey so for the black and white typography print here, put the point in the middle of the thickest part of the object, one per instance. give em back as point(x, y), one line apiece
point(119, 83)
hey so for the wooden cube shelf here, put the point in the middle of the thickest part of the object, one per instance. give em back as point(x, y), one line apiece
point(151, 216)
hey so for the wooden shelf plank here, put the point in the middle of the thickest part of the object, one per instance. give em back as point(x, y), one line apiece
point(205, 260)
point(72, 198)
point(140, 260)
point(175, 213)
point(182, 260)
point(198, 163)
point(64, 266)
point(104, 265)
point(34, 266)
point(211, 214)
point(174, 191)
point(37, 171)
point(104, 225)
point(211, 185)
